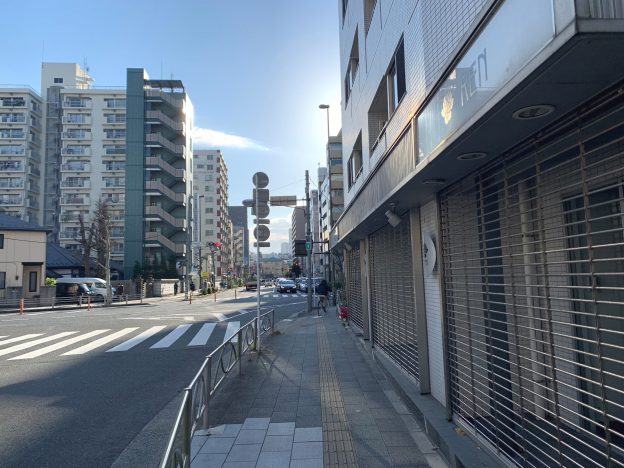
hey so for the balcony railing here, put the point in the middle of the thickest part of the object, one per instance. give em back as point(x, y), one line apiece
point(12, 135)
point(70, 218)
point(5, 201)
point(73, 167)
point(159, 95)
point(164, 241)
point(162, 141)
point(11, 167)
point(12, 102)
point(160, 187)
point(80, 151)
point(75, 201)
point(15, 118)
point(76, 135)
point(83, 183)
point(83, 120)
point(165, 119)
point(116, 167)
point(168, 217)
point(114, 200)
point(161, 163)
point(77, 104)
point(11, 184)
point(115, 184)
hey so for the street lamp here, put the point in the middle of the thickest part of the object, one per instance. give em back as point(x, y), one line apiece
point(326, 107)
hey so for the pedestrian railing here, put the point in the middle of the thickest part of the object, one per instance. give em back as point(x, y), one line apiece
point(193, 414)
point(23, 304)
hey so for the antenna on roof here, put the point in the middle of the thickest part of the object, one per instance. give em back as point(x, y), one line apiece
point(85, 65)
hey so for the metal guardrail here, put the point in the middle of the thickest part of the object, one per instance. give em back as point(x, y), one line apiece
point(193, 413)
point(10, 305)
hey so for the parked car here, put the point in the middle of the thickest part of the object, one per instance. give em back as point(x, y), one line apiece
point(251, 284)
point(300, 282)
point(74, 287)
point(286, 285)
point(313, 283)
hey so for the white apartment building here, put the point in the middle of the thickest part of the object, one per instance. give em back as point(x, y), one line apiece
point(20, 153)
point(212, 224)
point(92, 125)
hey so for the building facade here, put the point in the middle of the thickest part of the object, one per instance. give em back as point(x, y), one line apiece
point(159, 154)
point(483, 223)
point(238, 215)
point(211, 190)
point(298, 229)
point(21, 153)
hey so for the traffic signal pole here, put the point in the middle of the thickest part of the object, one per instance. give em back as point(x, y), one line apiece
point(308, 240)
point(258, 278)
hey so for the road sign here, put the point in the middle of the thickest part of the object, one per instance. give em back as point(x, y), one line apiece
point(263, 210)
point(308, 246)
point(262, 244)
point(248, 202)
point(262, 194)
point(205, 274)
point(260, 179)
point(262, 221)
point(261, 232)
point(289, 200)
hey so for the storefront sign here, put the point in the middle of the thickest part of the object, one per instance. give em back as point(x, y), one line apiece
point(502, 49)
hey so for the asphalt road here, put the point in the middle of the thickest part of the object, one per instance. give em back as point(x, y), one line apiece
point(77, 387)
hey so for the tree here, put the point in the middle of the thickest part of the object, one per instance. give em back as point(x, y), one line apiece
point(86, 237)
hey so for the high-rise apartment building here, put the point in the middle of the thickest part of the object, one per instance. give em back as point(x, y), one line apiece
point(483, 229)
point(331, 198)
point(159, 121)
point(21, 153)
point(238, 215)
point(210, 179)
point(298, 228)
point(90, 129)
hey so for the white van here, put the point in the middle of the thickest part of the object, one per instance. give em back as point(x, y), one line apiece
point(92, 286)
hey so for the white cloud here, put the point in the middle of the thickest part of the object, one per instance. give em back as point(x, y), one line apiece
point(217, 139)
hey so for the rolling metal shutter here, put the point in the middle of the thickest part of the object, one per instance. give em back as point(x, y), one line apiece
point(354, 287)
point(392, 308)
point(533, 249)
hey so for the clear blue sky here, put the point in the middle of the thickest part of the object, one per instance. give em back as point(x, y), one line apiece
point(256, 71)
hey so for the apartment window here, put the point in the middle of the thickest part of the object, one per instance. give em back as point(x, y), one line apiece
point(210, 157)
point(58, 80)
point(369, 10)
point(32, 281)
point(200, 166)
point(352, 68)
point(115, 103)
point(2, 279)
point(1, 241)
point(389, 94)
point(209, 199)
point(209, 232)
point(116, 133)
point(209, 210)
point(355, 161)
point(210, 221)
point(210, 167)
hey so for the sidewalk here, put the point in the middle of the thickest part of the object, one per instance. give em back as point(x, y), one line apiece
point(311, 400)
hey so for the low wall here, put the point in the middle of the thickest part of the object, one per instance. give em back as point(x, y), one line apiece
point(165, 287)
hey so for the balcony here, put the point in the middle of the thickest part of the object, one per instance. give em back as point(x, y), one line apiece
point(155, 116)
point(114, 135)
point(164, 190)
point(14, 135)
point(77, 104)
point(77, 120)
point(152, 237)
point(70, 218)
point(11, 201)
point(156, 139)
point(11, 166)
point(34, 171)
point(111, 200)
point(13, 118)
point(114, 167)
point(76, 167)
point(75, 201)
point(12, 102)
point(80, 183)
point(154, 95)
point(157, 211)
point(69, 234)
point(12, 150)
point(76, 135)
point(116, 119)
point(9, 184)
point(76, 150)
point(162, 164)
point(114, 183)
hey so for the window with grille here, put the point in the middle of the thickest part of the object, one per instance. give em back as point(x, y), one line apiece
point(354, 288)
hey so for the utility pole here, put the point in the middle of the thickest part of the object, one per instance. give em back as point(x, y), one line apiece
point(189, 248)
point(308, 240)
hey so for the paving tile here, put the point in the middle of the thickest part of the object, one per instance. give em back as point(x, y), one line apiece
point(397, 439)
point(309, 410)
point(307, 450)
point(308, 434)
point(217, 445)
point(309, 420)
point(435, 460)
point(407, 456)
point(260, 412)
point(256, 423)
point(389, 424)
point(374, 462)
point(283, 416)
point(285, 428)
point(370, 448)
point(248, 452)
point(225, 430)
point(238, 464)
point(209, 460)
point(196, 444)
point(250, 436)
point(365, 432)
point(277, 443)
point(273, 459)
point(308, 463)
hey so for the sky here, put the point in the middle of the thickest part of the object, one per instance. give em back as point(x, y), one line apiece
point(255, 70)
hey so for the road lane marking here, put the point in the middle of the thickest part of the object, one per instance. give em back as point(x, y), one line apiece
point(232, 328)
point(221, 317)
point(59, 345)
point(100, 342)
point(19, 338)
point(172, 337)
point(132, 342)
point(202, 336)
point(31, 344)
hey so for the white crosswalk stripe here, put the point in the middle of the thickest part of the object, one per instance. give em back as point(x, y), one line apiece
point(59, 345)
point(132, 342)
point(203, 335)
point(32, 344)
point(100, 342)
point(20, 338)
point(220, 317)
point(232, 328)
point(172, 337)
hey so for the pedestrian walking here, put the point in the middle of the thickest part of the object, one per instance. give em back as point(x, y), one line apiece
point(192, 286)
point(175, 288)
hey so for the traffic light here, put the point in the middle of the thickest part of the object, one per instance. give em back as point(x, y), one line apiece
point(217, 245)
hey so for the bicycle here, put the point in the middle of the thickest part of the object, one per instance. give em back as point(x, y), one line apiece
point(322, 302)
